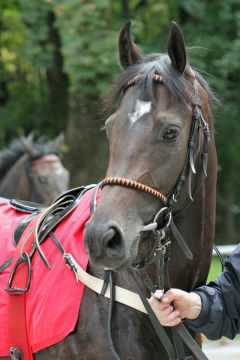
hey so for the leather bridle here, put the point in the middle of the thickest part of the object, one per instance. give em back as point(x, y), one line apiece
point(160, 234)
point(168, 201)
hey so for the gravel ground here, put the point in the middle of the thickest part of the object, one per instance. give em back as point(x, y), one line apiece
point(222, 350)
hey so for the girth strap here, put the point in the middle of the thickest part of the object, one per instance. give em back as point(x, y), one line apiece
point(17, 288)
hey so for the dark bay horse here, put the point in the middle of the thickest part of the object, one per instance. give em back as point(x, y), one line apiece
point(32, 170)
point(158, 139)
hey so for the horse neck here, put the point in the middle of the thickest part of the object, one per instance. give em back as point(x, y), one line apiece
point(16, 182)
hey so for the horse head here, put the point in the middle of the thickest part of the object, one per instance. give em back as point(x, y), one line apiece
point(47, 176)
point(152, 148)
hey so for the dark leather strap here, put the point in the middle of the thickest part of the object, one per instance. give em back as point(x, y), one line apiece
point(5, 264)
point(157, 326)
point(178, 342)
point(190, 342)
point(180, 334)
point(180, 241)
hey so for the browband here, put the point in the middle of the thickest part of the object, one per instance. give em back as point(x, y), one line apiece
point(193, 99)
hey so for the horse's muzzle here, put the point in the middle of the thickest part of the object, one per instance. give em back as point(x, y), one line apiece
point(104, 244)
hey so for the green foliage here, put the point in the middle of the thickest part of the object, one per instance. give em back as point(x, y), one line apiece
point(88, 44)
point(25, 105)
point(217, 28)
point(88, 32)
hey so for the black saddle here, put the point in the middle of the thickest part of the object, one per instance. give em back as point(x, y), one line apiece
point(64, 204)
point(27, 207)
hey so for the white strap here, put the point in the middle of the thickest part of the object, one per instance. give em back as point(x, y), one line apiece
point(122, 295)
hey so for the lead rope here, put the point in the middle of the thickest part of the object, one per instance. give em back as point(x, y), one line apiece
point(178, 343)
point(162, 257)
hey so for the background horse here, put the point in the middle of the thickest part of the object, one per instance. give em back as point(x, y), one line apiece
point(32, 170)
point(158, 137)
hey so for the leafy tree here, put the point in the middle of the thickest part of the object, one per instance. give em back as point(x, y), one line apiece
point(59, 57)
point(218, 33)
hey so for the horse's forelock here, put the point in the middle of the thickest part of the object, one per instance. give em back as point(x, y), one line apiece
point(156, 64)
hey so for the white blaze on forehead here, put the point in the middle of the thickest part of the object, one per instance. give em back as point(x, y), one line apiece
point(141, 108)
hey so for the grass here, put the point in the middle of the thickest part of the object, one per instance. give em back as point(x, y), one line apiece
point(215, 269)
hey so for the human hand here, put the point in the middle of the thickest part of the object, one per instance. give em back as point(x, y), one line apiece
point(176, 305)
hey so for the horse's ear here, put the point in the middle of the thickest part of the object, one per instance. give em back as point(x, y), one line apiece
point(176, 48)
point(57, 143)
point(129, 53)
point(28, 144)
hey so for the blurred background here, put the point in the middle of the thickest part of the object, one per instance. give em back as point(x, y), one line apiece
point(58, 58)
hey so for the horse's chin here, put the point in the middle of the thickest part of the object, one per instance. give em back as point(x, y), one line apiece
point(120, 264)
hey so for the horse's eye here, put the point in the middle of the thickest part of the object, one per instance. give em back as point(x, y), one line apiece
point(171, 134)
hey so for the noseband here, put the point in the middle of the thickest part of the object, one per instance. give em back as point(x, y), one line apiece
point(132, 184)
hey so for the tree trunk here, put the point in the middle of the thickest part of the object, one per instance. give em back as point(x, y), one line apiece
point(57, 80)
point(87, 156)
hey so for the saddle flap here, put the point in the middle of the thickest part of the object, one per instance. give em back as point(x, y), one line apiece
point(20, 227)
point(26, 206)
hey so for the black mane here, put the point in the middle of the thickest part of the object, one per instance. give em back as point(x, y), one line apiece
point(157, 64)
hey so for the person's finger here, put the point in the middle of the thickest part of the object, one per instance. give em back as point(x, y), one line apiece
point(166, 300)
point(165, 313)
point(157, 305)
point(170, 296)
point(174, 322)
point(170, 318)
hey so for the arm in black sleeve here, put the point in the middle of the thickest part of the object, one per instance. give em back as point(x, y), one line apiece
point(220, 315)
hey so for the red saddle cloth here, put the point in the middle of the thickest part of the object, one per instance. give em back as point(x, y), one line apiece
point(54, 297)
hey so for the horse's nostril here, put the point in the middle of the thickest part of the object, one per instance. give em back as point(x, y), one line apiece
point(116, 241)
point(113, 240)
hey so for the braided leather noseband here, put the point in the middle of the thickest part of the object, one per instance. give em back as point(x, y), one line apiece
point(133, 185)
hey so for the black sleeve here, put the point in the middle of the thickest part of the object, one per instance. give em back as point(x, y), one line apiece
point(220, 315)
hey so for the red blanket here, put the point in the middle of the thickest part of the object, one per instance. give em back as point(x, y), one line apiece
point(54, 298)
